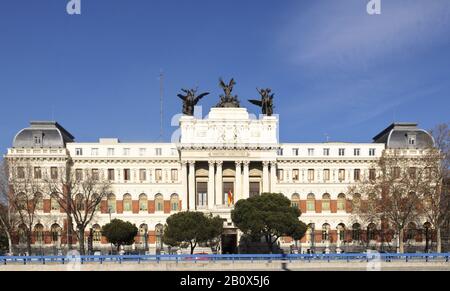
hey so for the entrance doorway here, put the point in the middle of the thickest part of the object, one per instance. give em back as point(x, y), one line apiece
point(229, 243)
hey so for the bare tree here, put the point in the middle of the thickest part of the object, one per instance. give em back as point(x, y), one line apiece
point(25, 196)
point(391, 197)
point(436, 198)
point(79, 193)
point(6, 216)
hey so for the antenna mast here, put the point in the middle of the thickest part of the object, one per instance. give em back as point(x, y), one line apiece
point(161, 94)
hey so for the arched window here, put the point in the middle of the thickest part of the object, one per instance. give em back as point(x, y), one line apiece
point(356, 232)
point(326, 202)
point(22, 234)
point(159, 233)
point(54, 205)
point(127, 202)
point(159, 202)
point(22, 201)
point(341, 231)
point(39, 233)
point(310, 202)
point(39, 201)
point(143, 232)
point(96, 233)
point(295, 200)
point(143, 202)
point(174, 202)
point(95, 198)
point(341, 202)
point(310, 233)
point(56, 233)
point(79, 202)
point(371, 232)
point(356, 201)
point(325, 232)
point(112, 203)
point(411, 231)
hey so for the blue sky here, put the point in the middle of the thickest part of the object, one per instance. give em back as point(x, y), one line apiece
point(335, 69)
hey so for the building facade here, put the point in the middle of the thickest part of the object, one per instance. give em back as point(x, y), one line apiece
point(228, 151)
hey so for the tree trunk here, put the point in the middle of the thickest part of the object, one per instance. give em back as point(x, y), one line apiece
point(81, 241)
point(401, 247)
point(29, 237)
point(193, 247)
point(438, 239)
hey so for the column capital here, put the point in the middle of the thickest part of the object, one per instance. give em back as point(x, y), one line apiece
point(191, 162)
point(246, 163)
point(238, 163)
point(219, 163)
point(266, 163)
point(211, 163)
point(273, 163)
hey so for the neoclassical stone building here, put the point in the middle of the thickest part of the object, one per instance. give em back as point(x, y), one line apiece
point(227, 151)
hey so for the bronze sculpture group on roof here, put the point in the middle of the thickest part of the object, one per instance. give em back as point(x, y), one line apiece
point(227, 100)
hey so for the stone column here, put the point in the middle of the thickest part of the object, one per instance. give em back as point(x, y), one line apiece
point(184, 184)
point(266, 183)
point(211, 185)
point(192, 185)
point(219, 186)
point(238, 182)
point(246, 181)
point(273, 176)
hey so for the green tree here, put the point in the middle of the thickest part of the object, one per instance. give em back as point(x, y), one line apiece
point(191, 228)
point(119, 232)
point(270, 216)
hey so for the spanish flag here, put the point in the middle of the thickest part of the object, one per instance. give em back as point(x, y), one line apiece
point(230, 198)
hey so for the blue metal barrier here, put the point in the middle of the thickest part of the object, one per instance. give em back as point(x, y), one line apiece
point(346, 257)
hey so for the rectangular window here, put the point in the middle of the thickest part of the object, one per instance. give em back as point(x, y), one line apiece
point(254, 189)
point(326, 174)
point(126, 151)
point(280, 152)
point(411, 140)
point(280, 174)
point(341, 152)
point(372, 174)
point(356, 152)
point(326, 152)
point(126, 174)
point(111, 175)
point(54, 173)
point(341, 175)
point(95, 176)
point(38, 139)
point(78, 151)
point(174, 175)
point(110, 151)
point(142, 175)
point(311, 175)
point(412, 172)
point(295, 152)
point(371, 152)
point(295, 175)
point(37, 173)
point(396, 172)
point(158, 151)
point(202, 194)
point(227, 188)
point(357, 174)
point(94, 152)
point(20, 172)
point(158, 175)
point(310, 152)
point(79, 174)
